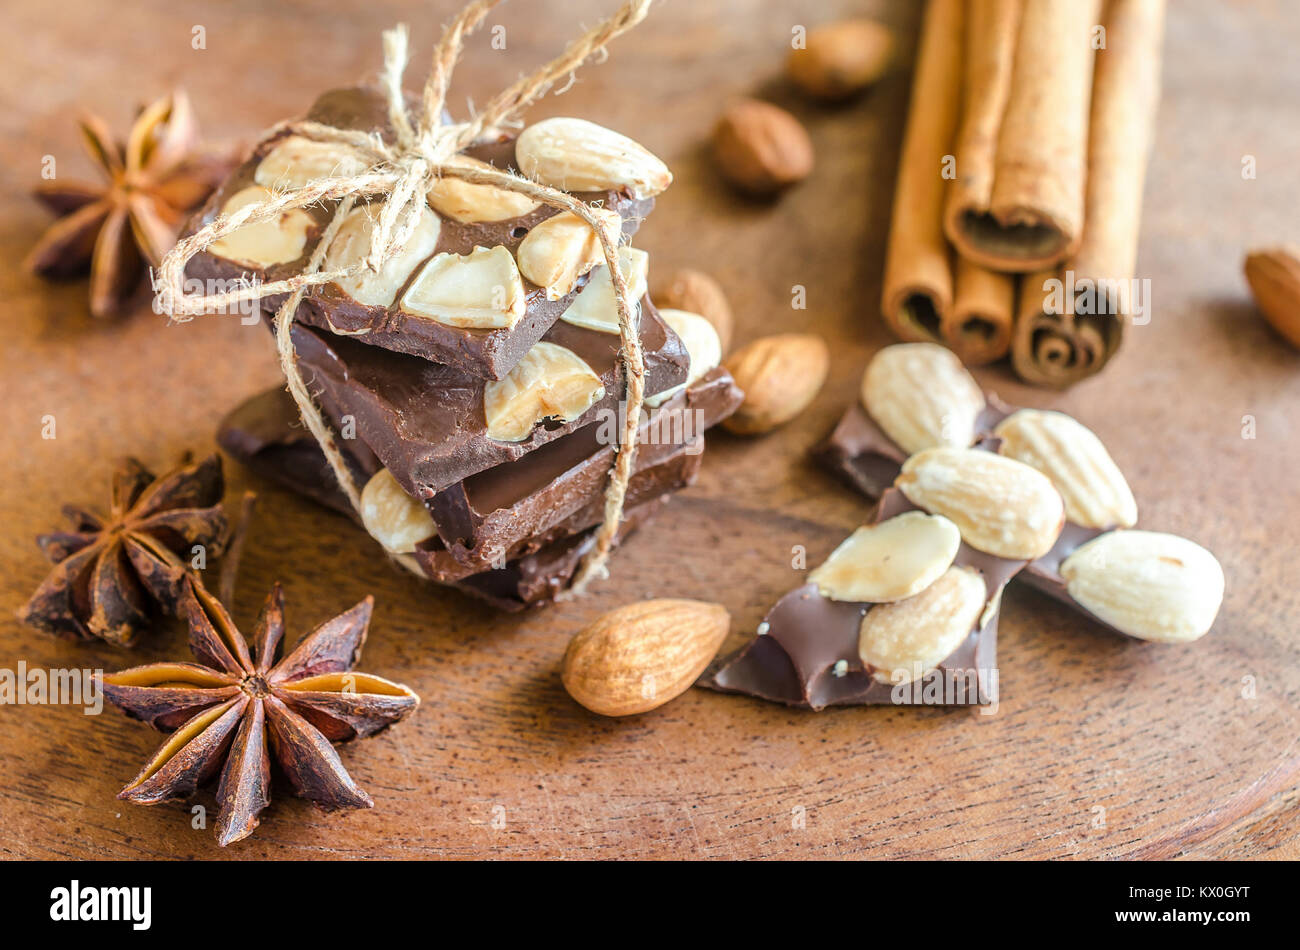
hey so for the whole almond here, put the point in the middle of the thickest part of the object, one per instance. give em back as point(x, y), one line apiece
point(640, 656)
point(1147, 584)
point(1274, 278)
point(841, 59)
point(780, 376)
point(696, 292)
point(888, 561)
point(904, 640)
point(1001, 506)
point(1070, 454)
point(921, 396)
point(761, 148)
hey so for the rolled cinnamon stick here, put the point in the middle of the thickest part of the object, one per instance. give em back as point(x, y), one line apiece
point(918, 283)
point(978, 327)
point(1070, 321)
point(1018, 202)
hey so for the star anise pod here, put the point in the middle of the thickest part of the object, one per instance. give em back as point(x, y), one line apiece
point(112, 569)
point(225, 709)
point(153, 182)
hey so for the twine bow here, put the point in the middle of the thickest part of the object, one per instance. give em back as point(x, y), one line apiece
point(403, 171)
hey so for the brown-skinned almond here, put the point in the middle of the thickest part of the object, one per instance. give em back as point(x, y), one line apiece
point(1274, 278)
point(780, 375)
point(642, 655)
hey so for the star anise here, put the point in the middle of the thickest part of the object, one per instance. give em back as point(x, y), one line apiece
point(153, 182)
point(224, 709)
point(112, 569)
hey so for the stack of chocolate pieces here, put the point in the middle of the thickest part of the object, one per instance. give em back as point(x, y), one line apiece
point(475, 382)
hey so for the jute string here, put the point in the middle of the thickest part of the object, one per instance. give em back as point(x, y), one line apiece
point(401, 172)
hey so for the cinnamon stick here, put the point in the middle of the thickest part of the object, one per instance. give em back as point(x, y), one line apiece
point(1096, 286)
point(978, 328)
point(918, 282)
point(1018, 203)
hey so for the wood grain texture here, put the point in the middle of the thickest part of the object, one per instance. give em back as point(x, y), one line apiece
point(1102, 747)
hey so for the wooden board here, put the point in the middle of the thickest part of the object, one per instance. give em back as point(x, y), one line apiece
point(1102, 747)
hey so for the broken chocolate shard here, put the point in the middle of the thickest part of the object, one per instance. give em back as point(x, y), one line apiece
point(264, 434)
point(807, 653)
point(490, 513)
point(487, 353)
point(426, 422)
point(449, 562)
point(859, 452)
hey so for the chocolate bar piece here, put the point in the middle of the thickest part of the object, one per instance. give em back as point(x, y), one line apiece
point(426, 422)
point(483, 352)
point(859, 452)
point(537, 579)
point(807, 653)
point(450, 562)
point(264, 433)
point(488, 514)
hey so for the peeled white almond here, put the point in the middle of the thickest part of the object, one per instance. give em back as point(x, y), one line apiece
point(903, 641)
point(352, 243)
point(921, 395)
point(1001, 506)
point(888, 561)
point(596, 306)
point(481, 289)
point(471, 203)
point(703, 347)
point(557, 253)
point(296, 160)
point(1147, 584)
point(1070, 454)
point(277, 241)
point(577, 155)
point(550, 382)
point(392, 517)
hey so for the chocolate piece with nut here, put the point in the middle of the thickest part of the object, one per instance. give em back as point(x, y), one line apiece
point(903, 612)
point(485, 273)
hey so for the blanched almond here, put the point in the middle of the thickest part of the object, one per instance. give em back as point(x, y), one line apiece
point(270, 242)
point(702, 347)
point(1070, 454)
point(921, 395)
point(577, 155)
point(596, 306)
point(297, 160)
point(560, 250)
point(392, 517)
point(471, 203)
point(352, 243)
point(1001, 506)
point(549, 382)
point(1147, 584)
point(481, 289)
point(889, 561)
point(903, 641)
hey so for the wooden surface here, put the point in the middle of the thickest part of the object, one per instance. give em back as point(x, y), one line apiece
point(1102, 747)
